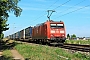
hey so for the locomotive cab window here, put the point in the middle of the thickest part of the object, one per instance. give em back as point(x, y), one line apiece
point(56, 25)
point(53, 25)
point(60, 25)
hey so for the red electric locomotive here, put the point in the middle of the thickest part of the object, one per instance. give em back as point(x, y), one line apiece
point(50, 31)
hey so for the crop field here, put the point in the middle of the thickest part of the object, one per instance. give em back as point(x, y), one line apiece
point(85, 42)
point(40, 52)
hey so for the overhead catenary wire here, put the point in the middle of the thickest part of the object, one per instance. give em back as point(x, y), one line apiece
point(53, 4)
point(53, 9)
point(72, 6)
point(62, 4)
point(46, 9)
point(73, 11)
point(59, 7)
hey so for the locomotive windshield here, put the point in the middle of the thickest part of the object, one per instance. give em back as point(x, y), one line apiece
point(56, 25)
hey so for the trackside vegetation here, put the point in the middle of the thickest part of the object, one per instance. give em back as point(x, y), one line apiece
point(40, 52)
point(5, 48)
point(7, 55)
point(85, 42)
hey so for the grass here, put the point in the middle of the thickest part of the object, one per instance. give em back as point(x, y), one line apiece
point(7, 55)
point(39, 52)
point(5, 46)
point(85, 42)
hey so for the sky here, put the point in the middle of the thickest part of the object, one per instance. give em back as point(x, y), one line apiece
point(74, 13)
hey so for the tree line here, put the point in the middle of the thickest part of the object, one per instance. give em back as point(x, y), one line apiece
point(73, 36)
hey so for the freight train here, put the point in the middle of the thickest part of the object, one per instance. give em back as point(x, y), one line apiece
point(47, 32)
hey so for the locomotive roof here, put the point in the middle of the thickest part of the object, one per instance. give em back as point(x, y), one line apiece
point(39, 24)
point(53, 21)
point(48, 21)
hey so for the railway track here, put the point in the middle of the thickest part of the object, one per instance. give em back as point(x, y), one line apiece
point(76, 47)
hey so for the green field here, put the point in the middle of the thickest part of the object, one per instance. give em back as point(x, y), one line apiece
point(85, 42)
point(39, 52)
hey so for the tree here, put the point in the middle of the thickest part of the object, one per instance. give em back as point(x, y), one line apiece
point(68, 36)
point(73, 36)
point(7, 6)
point(1, 36)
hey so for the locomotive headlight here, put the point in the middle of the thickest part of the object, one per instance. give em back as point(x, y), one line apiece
point(52, 31)
point(62, 35)
point(61, 31)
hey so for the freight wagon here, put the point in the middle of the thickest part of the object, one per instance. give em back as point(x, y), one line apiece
point(22, 35)
point(10, 36)
point(28, 33)
point(17, 35)
point(14, 36)
point(25, 34)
